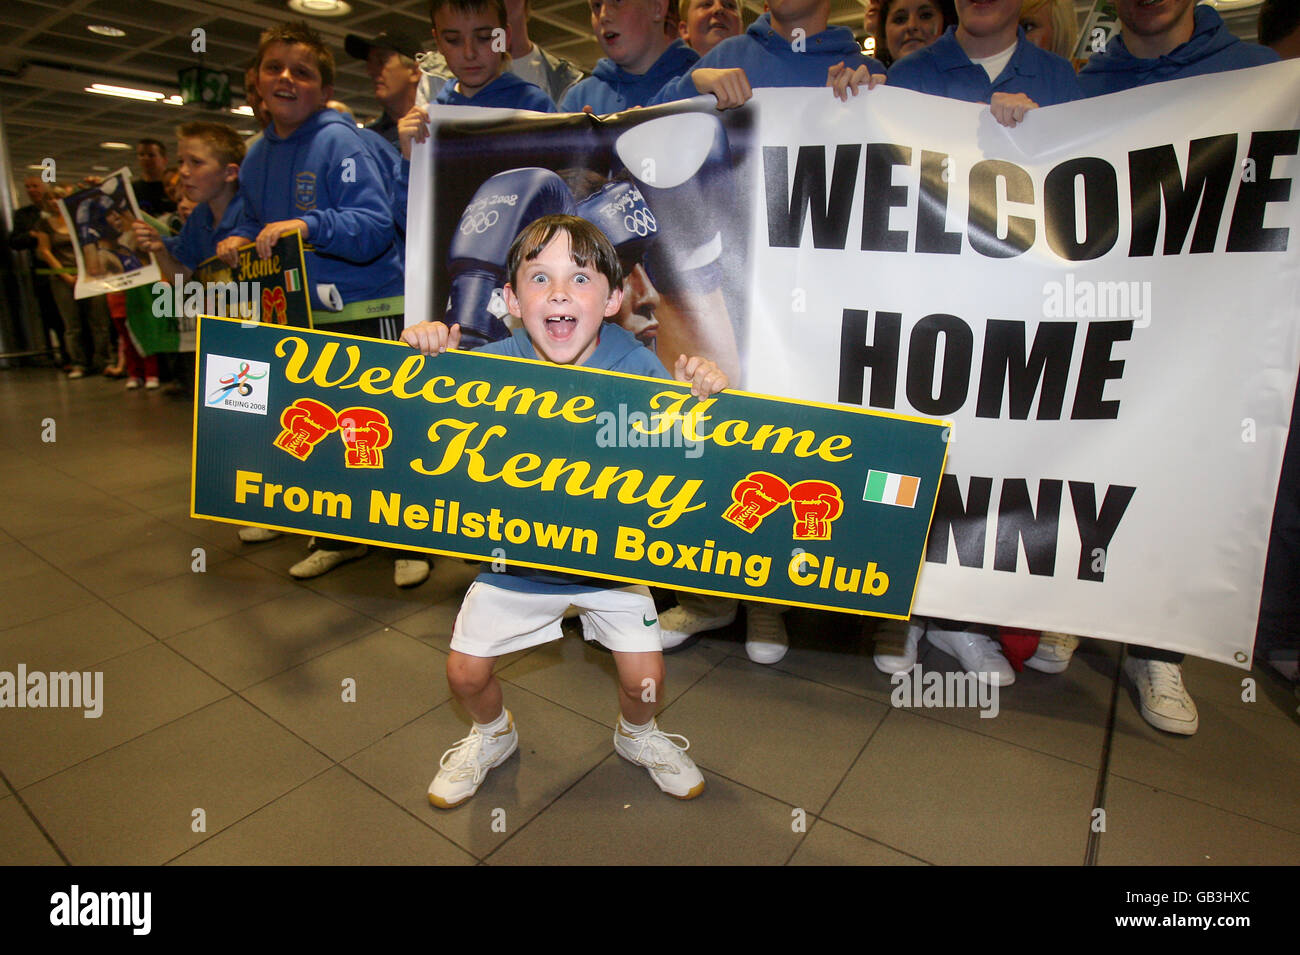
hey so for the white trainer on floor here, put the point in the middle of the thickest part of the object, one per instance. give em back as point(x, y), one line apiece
point(976, 653)
point(1055, 650)
point(896, 645)
point(1164, 700)
point(323, 561)
point(765, 638)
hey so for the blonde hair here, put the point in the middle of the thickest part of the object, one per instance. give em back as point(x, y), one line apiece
point(1065, 26)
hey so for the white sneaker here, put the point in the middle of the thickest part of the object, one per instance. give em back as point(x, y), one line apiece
point(896, 643)
point(255, 535)
point(1166, 704)
point(976, 653)
point(1054, 652)
point(323, 561)
point(463, 767)
point(672, 770)
point(765, 637)
point(678, 623)
point(408, 572)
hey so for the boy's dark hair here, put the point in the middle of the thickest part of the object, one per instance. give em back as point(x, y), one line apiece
point(298, 31)
point(588, 247)
point(153, 142)
point(470, 6)
point(1278, 19)
point(226, 144)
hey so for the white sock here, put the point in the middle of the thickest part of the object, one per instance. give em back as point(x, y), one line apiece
point(631, 729)
point(498, 725)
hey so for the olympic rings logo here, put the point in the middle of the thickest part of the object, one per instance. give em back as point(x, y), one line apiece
point(478, 222)
point(642, 222)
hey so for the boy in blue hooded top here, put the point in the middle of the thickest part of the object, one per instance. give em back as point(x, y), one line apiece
point(639, 57)
point(311, 172)
point(790, 45)
point(473, 37)
point(1169, 40)
point(986, 58)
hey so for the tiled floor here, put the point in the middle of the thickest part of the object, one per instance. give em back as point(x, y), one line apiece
point(226, 737)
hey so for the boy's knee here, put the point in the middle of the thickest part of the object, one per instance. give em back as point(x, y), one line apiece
point(468, 675)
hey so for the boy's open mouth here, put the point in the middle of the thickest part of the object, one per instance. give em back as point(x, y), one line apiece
point(560, 327)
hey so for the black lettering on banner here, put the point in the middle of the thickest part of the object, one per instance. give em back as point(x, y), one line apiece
point(932, 208)
point(1019, 520)
point(1096, 529)
point(1247, 232)
point(881, 356)
point(1100, 209)
point(830, 220)
point(1096, 368)
point(922, 352)
point(1005, 368)
point(1155, 183)
point(968, 523)
point(879, 195)
point(982, 222)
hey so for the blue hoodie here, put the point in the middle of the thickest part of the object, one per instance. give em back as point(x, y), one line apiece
point(611, 89)
point(507, 91)
point(1212, 49)
point(617, 350)
point(199, 236)
point(325, 174)
point(944, 69)
point(768, 59)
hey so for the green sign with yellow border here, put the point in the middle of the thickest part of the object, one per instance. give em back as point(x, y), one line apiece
point(589, 472)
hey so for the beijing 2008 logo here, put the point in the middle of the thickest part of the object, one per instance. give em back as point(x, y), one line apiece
point(237, 384)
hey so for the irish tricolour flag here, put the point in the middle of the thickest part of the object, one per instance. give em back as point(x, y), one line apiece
point(292, 283)
point(884, 487)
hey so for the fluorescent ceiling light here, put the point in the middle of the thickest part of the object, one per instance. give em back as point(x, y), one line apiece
point(242, 110)
point(125, 92)
point(104, 30)
point(320, 8)
point(114, 145)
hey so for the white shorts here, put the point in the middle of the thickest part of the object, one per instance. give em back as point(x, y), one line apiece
point(494, 621)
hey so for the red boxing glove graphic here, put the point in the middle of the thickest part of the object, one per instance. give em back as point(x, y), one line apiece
point(305, 422)
point(274, 306)
point(756, 497)
point(815, 504)
point(366, 433)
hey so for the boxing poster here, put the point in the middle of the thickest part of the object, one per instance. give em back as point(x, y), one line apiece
point(1103, 300)
point(565, 470)
point(100, 219)
point(667, 185)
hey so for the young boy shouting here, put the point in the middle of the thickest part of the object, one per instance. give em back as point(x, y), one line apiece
point(565, 280)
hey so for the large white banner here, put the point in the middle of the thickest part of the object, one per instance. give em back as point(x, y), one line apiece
point(1103, 301)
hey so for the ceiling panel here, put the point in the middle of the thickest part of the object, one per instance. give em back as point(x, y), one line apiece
point(47, 57)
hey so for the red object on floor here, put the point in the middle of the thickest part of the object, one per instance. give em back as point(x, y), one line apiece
point(1018, 645)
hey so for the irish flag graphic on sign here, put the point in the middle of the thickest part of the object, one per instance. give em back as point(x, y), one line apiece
point(884, 487)
point(291, 281)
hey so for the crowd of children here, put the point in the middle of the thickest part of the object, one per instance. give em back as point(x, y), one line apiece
point(312, 171)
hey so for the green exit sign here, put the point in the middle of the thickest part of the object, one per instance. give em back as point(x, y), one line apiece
point(204, 87)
